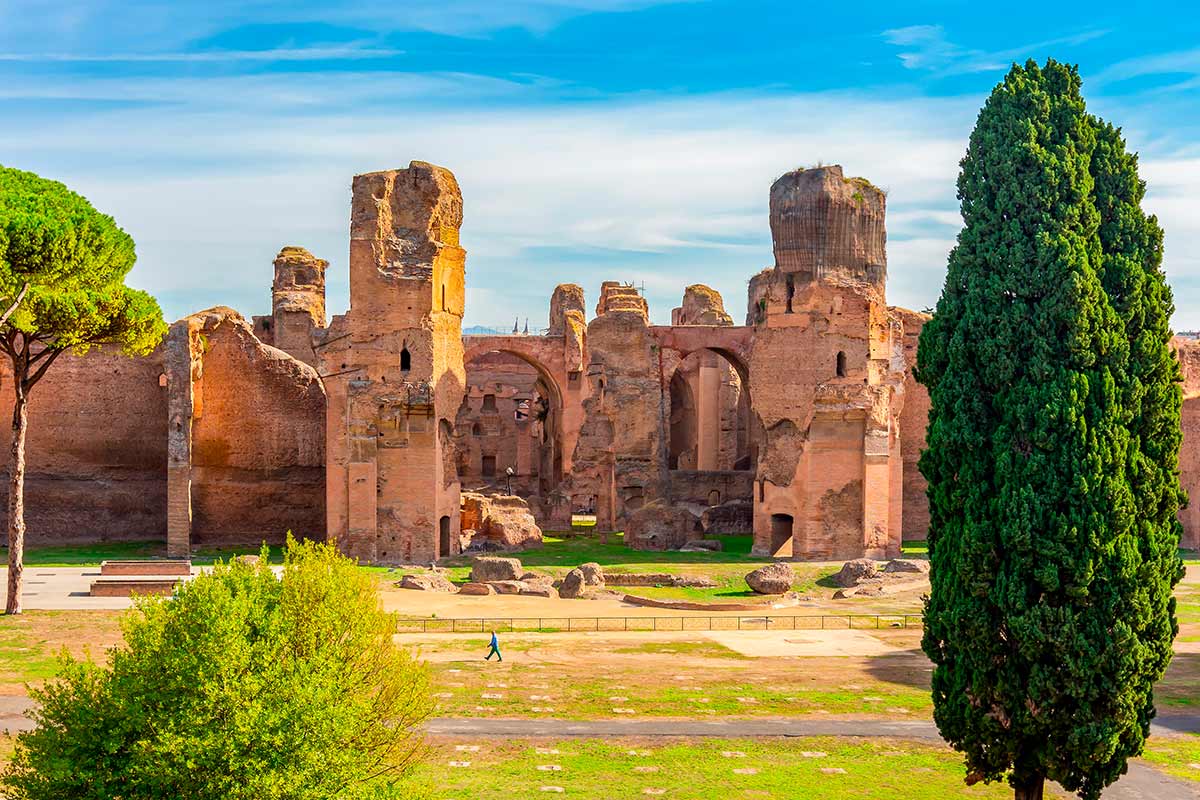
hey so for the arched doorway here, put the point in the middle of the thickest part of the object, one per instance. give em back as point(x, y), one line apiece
point(710, 420)
point(510, 419)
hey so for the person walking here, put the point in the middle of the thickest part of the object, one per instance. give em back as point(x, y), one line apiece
point(494, 647)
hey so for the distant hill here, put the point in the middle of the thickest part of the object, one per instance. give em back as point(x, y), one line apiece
point(482, 330)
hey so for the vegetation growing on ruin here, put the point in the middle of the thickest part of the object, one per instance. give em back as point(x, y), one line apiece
point(67, 262)
point(1051, 459)
point(244, 685)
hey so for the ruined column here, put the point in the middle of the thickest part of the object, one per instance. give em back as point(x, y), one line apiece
point(179, 362)
point(394, 370)
point(297, 302)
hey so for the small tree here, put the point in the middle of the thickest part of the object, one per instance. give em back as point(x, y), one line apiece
point(1052, 449)
point(244, 686)
point(69, 262)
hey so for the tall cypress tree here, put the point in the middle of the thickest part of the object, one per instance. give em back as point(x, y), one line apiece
point(1052, 538)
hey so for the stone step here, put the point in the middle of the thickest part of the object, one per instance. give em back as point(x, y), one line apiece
point(158, 567)
point(129, 586)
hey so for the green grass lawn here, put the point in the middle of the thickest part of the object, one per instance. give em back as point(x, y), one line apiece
point(523, 690)
point(1178, 756)
point(914, 548)
point(814, 768)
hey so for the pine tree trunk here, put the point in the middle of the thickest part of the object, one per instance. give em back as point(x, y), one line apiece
point(1030, 789)
point(16, 499)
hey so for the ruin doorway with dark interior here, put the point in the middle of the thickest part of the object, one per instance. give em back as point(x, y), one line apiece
point(509, 428)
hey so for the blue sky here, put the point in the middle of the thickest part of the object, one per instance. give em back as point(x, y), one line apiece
point(593, 139)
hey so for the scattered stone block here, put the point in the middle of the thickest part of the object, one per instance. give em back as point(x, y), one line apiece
point(480, 589)
point(745, 771)
point(428, 582)
point(833, 770)
point(813, 754)
point(573, 585)
point(485, 569)
point(593, 574)
point(774, 578)
point(854, 572)
point(913, 565)
point(508, 587)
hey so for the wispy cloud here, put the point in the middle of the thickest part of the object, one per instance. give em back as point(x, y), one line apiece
point(928, 48)
point(1182, 63)
point(213, 56)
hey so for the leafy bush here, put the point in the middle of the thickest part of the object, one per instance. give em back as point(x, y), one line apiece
point(243, 685)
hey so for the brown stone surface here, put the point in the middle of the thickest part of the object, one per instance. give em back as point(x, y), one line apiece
point(774, 578)
point(485, 569)
point(593, 573)
point(907, 565)
point(500, 522)
point(825, 225)
point(153, 567)
point(659, 526)
point(96, 449)
point(394, 370)
point(428, 582)
point(475, 588)
point(130, 586)
point(913, 420)
point(702, 305)
point(573, 585)
point(803, 426)
point(856, 571)
point(1188, 351)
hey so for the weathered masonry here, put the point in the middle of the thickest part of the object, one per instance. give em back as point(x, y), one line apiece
point(802, 426)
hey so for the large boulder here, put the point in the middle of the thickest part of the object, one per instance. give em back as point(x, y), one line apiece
point(855, 572)
point(477, 588)
point(510, 525)
point(485, 569)
point(428, 582)
point(573, 585)
point(659, 526)
point(508, 587)
point(774, 578)
point(910, 565)
point(499, 522)
point(593, 575)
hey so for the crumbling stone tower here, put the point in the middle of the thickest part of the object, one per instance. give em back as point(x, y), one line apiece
point(297, 304)
point(829, 469)
point(393, 367)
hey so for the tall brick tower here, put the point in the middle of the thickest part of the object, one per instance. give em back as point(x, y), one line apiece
point(393, 367)
point(834, 356)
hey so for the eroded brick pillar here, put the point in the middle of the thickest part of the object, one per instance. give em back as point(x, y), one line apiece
point(179, 439)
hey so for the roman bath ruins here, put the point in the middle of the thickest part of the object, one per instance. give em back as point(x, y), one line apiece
point(386, 429)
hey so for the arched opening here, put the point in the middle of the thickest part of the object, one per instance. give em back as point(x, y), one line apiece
point(781, 534)
point(405, 359)
point(517, 405)
point(710, 419)
point(477, 429)
point(714, 498)
point(841, 364)
point(444, 537)
point(791, 292)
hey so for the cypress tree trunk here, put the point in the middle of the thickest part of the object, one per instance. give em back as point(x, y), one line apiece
point(16, 496)
point(1030, 789)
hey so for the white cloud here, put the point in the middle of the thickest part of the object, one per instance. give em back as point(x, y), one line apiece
point(212, 176)
point(928, 48)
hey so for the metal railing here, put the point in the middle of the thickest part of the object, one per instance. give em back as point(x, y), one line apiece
point(674, 623)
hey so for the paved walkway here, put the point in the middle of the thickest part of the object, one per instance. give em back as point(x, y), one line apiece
point(1140, 783)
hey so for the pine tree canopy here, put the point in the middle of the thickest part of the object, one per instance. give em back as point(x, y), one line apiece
point(1052, 448)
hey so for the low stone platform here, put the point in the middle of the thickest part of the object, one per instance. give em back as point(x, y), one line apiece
point(127, 586)
point(147, 568)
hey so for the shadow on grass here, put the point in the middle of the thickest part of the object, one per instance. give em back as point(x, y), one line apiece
point(907, 668)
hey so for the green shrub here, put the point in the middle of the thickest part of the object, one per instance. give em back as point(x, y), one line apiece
point(243, 685)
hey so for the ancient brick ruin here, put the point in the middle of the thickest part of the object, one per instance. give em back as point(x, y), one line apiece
point(393, 434)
